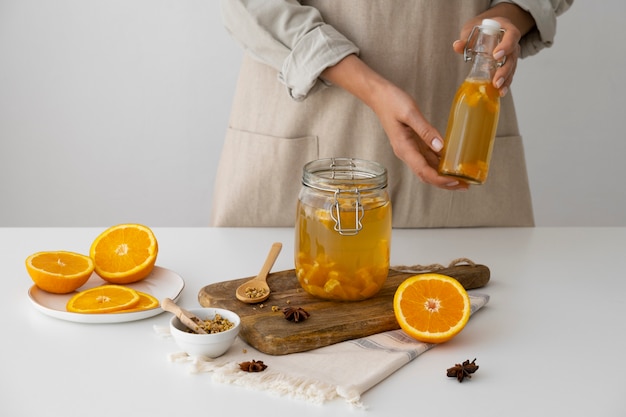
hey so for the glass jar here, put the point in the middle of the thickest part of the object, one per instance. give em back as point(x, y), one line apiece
point(343, 229)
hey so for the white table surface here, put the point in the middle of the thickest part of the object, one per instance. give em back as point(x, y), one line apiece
point(551, 341)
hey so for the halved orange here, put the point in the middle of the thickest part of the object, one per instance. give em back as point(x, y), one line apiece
point(59, 272)
point(103, 299)
point(124, 253)
point(431, 308)
point(146, 302)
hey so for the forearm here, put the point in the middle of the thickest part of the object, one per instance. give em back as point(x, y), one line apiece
point(356, 77)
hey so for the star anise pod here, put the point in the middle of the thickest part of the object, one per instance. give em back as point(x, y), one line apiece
point(463, 370)
point(295, 314)
point(252, 366)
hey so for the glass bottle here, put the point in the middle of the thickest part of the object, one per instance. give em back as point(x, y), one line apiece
point(474, 113)
point(343, 229)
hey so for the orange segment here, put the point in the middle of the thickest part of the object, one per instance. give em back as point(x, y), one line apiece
point(146, 302)
point(431, 308)
point(103, 299)
point(59, 272)
point(124, 253)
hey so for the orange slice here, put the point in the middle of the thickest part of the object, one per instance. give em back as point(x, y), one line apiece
point(124, 253)
point(431, 308)
point(146, 302)
point(59, 272)
point(103, 299)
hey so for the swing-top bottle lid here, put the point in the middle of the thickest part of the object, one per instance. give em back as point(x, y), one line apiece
point(490, 26)
point(482, 39)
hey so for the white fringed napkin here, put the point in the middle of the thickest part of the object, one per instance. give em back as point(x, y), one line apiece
point(343, 370)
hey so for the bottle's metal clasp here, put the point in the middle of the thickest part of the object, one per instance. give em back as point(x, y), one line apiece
point(335, 213)
point(470, 46)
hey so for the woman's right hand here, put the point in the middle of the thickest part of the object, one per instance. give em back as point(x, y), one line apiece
point(413, 140)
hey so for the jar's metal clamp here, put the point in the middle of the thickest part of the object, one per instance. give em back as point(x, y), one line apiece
point(335, 213)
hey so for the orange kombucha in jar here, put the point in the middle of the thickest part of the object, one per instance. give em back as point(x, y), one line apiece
point(343, 229)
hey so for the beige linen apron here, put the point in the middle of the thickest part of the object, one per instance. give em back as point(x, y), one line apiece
point(270, 136)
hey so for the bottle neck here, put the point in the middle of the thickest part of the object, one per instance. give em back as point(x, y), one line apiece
point(483, 68)
point(483, 64)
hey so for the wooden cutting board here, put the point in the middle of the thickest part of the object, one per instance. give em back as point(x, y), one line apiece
point(330, 321)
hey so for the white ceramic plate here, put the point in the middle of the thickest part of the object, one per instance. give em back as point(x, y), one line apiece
point(161, 283)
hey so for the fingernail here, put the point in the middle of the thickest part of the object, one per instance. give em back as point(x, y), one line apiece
point(498, 55)
point(437, 144)
point(503, 91)
point(456, 42)
point(499, 82)
point(452, 184)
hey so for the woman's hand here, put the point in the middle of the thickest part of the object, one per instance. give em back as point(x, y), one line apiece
point(516, 23)
point(413, 140)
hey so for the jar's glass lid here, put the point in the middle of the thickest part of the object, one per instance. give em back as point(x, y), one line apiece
point(332, 174)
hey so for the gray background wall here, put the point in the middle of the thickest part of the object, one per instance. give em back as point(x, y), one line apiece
point(115, 110)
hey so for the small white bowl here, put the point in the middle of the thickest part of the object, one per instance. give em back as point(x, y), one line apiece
point(208, 345)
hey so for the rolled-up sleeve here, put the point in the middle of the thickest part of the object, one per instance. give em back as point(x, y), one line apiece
point(288, 36)
point(545, 13)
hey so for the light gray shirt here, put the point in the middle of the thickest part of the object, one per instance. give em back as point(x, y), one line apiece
point(294, 39)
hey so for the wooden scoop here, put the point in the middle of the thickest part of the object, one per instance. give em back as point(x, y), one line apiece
point(186, 317)
point(259, 290)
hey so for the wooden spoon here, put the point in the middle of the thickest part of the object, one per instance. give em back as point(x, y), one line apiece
point(258, 285)
point(186, 317)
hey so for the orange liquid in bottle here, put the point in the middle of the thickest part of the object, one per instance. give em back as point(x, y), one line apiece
point(471, 131)
point(339, 267)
